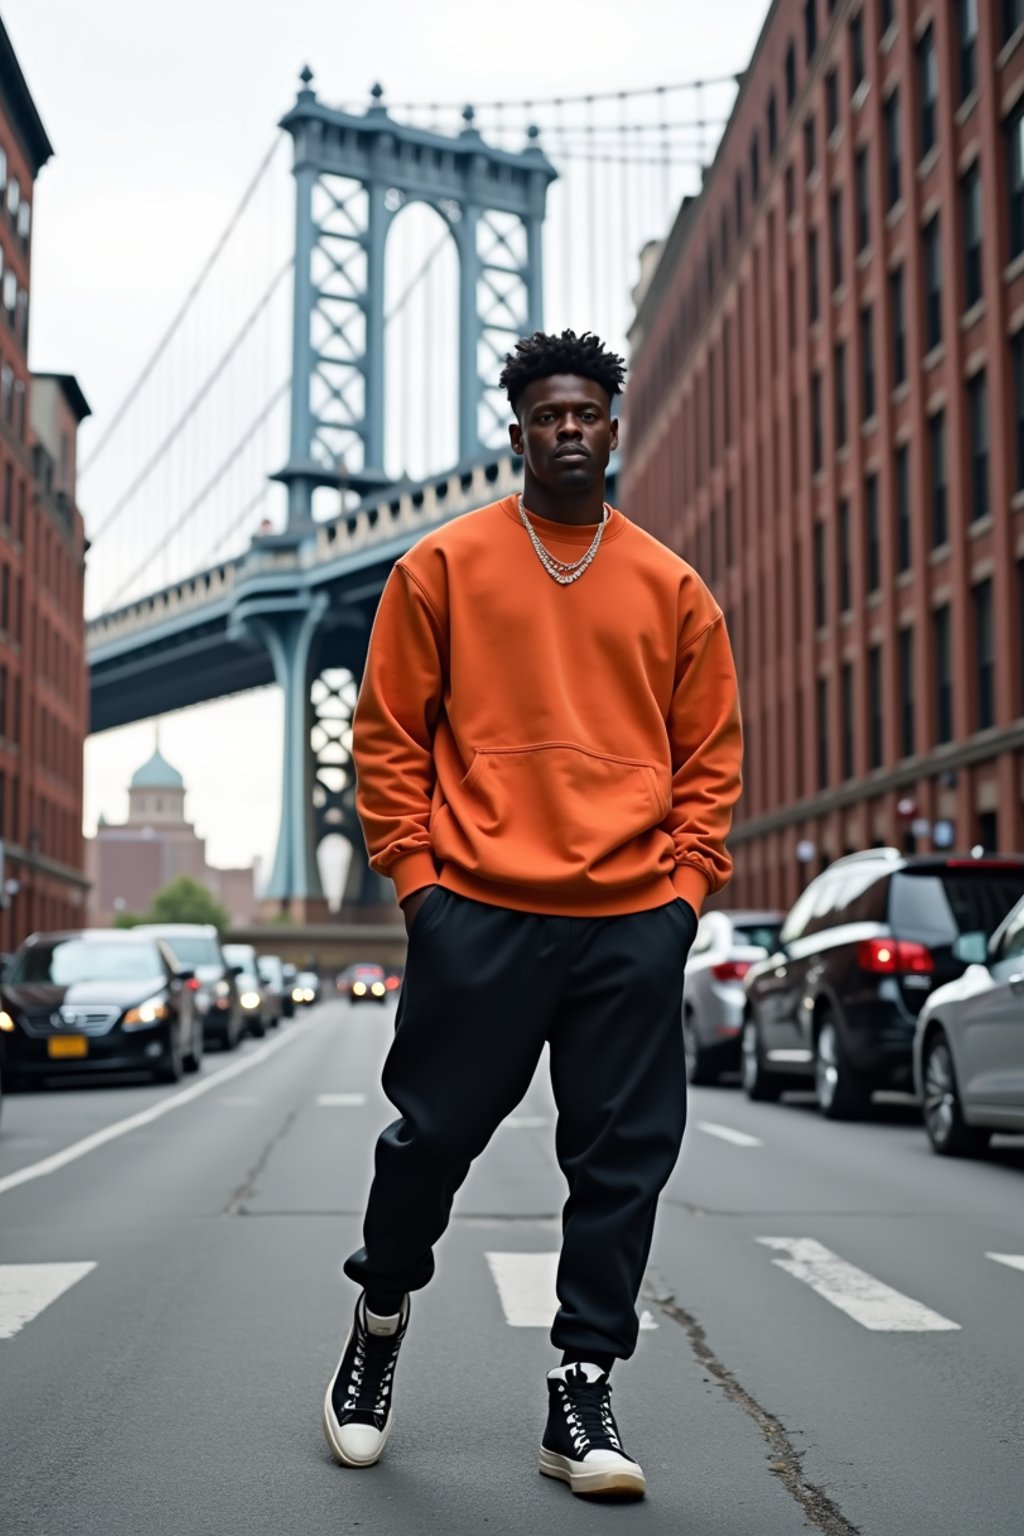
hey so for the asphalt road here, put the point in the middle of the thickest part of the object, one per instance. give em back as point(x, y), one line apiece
point(862, 1371)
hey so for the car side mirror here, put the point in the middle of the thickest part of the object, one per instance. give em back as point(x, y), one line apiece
point(235, 970)
point(971, 948)
point(184, 975)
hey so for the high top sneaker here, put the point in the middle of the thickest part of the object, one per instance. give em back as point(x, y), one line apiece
point(357, 1405)
point(581, 1443)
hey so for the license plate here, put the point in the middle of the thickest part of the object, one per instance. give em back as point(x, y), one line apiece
point(64, 1046)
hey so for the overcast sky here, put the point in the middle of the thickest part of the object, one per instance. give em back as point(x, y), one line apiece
point(159, 115)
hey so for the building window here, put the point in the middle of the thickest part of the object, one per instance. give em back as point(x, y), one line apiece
point(857, 51)
point(755, 167)
point(863, 200)
point(1013, 17)
point(942, 651)
point(928, 89)
point(967, 38)
point(790, 75)
point(811, 28)
point(839, 375)
point(1020, 626)
point(816, 443)
point(822, 724)
point(7, 506)
point(819, 575)
point(843, 539)
point(893, 148)
point(813, 280)
point(1015, 176)
point(977, 410)
point(984, 652)
point(790, 192)
point(846, 703)
point(906, 668)
point(886, 15)
point(872, 535)
point(773, 124)
point(832, 101)
point(867, 361)
point(970, 210)
point(875, 721)
point(932, 242)
point(835, 225)
point(903, 507)
point(810, 146)
point(739, 204)
point(897, 304)
point(937, 460)
point(1017, 351)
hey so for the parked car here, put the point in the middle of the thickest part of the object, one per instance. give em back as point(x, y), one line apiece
point(364, 982)
point(969, 1043)
point(197, 946)
point(307, 987)
point(275, 989)
point(250, 986)
point(97, 1000)
point(726, 945)
point(836, 1004)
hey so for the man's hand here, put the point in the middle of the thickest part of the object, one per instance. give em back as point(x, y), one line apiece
point(412, 904)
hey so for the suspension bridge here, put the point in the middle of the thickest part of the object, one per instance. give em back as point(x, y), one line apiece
point(326, 391)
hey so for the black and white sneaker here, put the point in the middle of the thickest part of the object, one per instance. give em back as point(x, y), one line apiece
point(357, 1405)
point(581, 1443)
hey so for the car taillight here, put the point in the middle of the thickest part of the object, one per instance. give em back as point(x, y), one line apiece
point(895, 957)
point(730, 970)
point(194, 984)
point(391, 983)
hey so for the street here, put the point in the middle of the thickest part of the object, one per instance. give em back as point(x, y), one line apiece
point(829, 1342)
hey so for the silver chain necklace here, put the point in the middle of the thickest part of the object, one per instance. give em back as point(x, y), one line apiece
point(565, 572)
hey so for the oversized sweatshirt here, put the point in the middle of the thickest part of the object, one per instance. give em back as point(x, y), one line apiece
point(572, 750)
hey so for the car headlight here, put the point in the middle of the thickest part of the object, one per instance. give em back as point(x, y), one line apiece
point(298, 995)
point(6, 1023)
point(359, 988)
point(222, 989)
point(378, 989)
point(146, 1014)
point(307, 995)
point(250, 999)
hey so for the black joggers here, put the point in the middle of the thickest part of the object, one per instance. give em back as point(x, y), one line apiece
point(484, 989)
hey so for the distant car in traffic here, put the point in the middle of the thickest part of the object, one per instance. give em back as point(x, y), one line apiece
point(277, 995)
point(364, 982)
point(289, 973)
point(197, 945)
point(726, 945)
point(969, 1044)
point(250, 987)
point(97, 1000)
point(836, 1004)
point(307, 988)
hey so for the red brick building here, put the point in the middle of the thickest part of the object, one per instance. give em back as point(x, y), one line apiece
point(43, 686)
point(826, 416)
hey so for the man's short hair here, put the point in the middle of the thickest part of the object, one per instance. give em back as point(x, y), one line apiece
point(540, 356)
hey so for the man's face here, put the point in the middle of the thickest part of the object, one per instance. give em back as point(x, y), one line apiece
point(565, 432)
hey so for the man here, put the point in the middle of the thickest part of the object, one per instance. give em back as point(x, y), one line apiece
point(547, 746)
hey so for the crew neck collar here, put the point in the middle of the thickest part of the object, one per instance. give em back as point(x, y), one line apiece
point(564, 533)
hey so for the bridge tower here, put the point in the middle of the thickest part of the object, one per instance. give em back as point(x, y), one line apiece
point(353, 174)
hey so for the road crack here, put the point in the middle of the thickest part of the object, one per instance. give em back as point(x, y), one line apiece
point(785, 1463)
point(247, 1188)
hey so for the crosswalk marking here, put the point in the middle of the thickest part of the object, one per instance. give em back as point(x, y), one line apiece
point(867, 1300)
point(25, 1289)
point(1014, 1260)
point(526, 1287)
point(726, 1133)
point(340, 1100)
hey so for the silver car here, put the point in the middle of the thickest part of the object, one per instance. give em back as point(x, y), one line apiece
point(969, 1045)
point(725, 947)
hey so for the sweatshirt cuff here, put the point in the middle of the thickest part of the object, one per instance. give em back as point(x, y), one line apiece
point(412, 873)
point(690, 884)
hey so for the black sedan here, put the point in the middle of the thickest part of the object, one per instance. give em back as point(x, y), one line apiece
point(97, 1001)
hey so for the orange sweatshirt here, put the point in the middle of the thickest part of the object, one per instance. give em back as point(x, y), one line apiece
point(568, 750)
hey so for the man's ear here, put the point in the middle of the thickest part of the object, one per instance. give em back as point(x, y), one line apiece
point(615, 433)
point(515, 437)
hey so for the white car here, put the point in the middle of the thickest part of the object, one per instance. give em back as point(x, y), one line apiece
point(969, 1044)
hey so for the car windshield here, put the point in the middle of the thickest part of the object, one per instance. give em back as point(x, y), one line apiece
point(936, 906)
point(270, 969)
point(69, 960)
point(240, 954)
point(194, 948)
point(765, 935)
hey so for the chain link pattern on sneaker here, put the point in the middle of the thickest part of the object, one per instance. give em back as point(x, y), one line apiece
point(581, 1443)
point(357, 1414)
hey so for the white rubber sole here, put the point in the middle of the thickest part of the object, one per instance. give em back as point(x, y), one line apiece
point(332, 1427)
point(608, 1482)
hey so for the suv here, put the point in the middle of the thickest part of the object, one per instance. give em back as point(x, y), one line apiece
point(859, 953)
point(197, 945)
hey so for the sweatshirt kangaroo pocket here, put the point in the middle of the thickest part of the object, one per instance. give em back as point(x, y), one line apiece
point(555, 815)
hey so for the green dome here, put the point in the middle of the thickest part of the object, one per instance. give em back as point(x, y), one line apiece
point(157, 774)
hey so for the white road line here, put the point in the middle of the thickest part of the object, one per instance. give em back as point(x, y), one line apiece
point(1013, 1260)
point(88, 1144)
point(340, 1100)
point(726, 1133)
point(854, 1291)
point(526, 1122)
point(25, 1289)
point(526, 1288)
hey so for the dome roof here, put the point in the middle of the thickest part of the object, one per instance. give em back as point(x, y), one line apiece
point(157, 774)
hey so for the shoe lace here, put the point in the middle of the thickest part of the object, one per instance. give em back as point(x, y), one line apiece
point(588, 1414)
point(373, 1367)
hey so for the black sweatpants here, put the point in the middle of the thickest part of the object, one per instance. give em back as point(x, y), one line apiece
point(484, 989)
